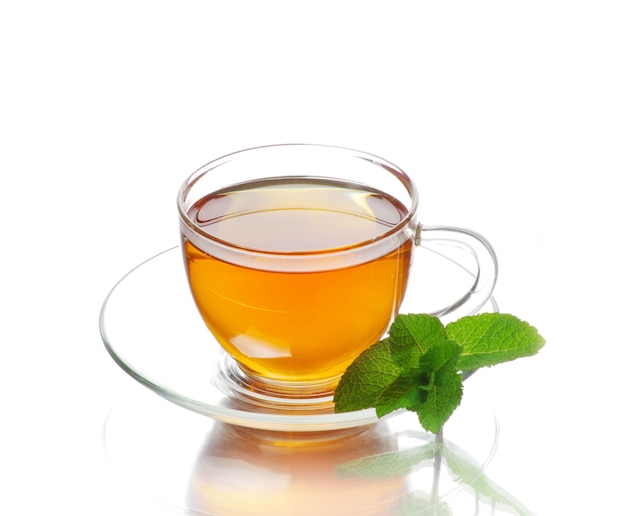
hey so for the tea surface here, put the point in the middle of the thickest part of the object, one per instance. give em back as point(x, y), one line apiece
point(297, 216)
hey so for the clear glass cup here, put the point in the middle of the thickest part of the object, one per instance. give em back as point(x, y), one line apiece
point(298, 258)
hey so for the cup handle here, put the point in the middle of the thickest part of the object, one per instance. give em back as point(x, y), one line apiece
point(437, 238)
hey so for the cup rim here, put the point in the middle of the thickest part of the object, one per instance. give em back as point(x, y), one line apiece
point(382, 163)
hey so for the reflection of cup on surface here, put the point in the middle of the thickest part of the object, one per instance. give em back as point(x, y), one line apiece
point(298, 259)
point(247, 472)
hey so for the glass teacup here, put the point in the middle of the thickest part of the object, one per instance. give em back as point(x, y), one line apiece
point(298, 259)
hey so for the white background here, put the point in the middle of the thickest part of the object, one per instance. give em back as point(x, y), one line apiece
point(510, 116)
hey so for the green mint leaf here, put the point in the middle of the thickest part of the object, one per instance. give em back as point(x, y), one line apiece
point(492, 338)
point(442, 358)
point(446, 391)
point(366, 378)
point(418, 367)
point(411, 335)
point(403, 392)
point(441, 402)
point(413, 388)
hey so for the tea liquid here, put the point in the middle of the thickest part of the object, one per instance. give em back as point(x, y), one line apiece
point(308, 321)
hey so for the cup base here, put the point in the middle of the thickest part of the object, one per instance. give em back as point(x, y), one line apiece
point(244, 386)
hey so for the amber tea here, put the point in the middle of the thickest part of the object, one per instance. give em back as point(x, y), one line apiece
point(306, 294)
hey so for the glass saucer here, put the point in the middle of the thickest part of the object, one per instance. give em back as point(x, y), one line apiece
point(151, 328)
point(195, 465)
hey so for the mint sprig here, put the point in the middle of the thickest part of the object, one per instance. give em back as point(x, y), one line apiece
point(419, 366)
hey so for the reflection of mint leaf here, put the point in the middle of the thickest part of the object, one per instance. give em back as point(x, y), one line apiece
point(417, 366)
point(462, 467)
point(389, 464)
point(490, 339)
point(471, 475)
point(418, 503)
